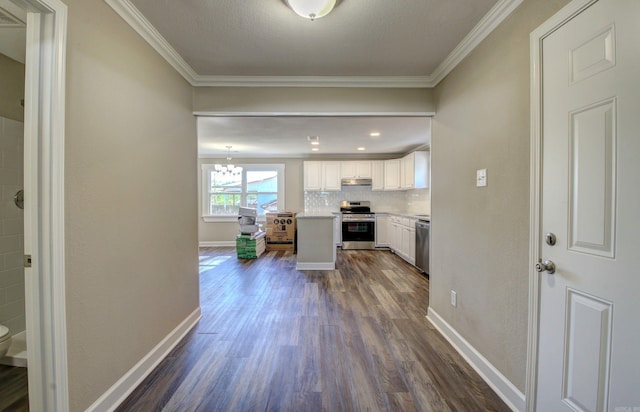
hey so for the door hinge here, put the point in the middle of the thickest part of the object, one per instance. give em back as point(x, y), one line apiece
point(27, 261)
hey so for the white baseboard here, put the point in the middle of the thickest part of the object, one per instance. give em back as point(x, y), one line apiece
point(217, 243)
point(496, 380)
point(117, 393)
point(316, 266)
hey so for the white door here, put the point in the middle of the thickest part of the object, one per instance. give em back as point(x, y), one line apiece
point(589, 324)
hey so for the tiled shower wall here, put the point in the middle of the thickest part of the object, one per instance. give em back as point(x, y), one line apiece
point(12, 309)
point(410, 202)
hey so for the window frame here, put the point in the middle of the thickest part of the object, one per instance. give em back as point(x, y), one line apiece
point(205, 194)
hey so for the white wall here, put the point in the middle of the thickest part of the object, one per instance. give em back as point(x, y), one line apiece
point(130, 199)
point(479, 236)
point(312, 100)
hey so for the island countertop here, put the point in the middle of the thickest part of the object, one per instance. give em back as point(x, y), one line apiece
point(315, 215)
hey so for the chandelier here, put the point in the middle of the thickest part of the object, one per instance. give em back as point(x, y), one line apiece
point(228, 169)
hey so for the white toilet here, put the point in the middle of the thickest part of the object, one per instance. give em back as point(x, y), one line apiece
point(5, 340)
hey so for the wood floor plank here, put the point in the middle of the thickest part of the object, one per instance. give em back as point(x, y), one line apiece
point(274, 338)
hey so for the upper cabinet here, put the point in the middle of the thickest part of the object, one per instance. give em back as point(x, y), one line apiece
point(414, 171)
point(357, 169)
point(409, 172)
point(377, 175)
point(321, 176)
point(392, 179)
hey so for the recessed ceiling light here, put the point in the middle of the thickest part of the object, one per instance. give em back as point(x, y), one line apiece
point(361, 148)
point(374, 134)
point(315, 143)
point(315, 149)
point(313, 139)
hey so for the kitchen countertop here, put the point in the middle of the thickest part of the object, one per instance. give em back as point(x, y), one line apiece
point(315, 215)
point(409, 215)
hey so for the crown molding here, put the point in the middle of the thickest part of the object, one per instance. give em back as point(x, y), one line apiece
point(314, 81)
point(145, 29)
point(137, 21)
point(489, 22)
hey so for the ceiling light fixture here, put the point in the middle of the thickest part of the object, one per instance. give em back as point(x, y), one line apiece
point(315, 149)
point(374, 134)
point(314, 140)
point(361, 149)
point(312, 9)
point(228, 152)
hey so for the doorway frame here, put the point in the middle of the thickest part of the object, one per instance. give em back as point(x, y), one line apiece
point(536, 38)
point(44, 132)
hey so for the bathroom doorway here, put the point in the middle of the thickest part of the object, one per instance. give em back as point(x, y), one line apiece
point(43, 168)
point(12, 275)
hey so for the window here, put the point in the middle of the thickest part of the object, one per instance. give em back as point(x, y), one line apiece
point(227, 187)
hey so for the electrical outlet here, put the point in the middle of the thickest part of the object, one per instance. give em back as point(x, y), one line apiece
point(454, 298)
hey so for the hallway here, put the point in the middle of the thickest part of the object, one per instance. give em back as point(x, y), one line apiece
point(273, 338)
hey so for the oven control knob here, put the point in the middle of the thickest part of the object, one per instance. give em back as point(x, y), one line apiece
point(276, 221)
point(289, 221)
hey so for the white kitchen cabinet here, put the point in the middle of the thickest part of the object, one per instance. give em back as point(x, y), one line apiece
point(356, 169)
point(377, 175)
point(321, 176)
point(312, 175)
point(402, 237)
point(382, 230)
point(392, 174)
point(408, 247)
point(414, 170)
point(331, 174)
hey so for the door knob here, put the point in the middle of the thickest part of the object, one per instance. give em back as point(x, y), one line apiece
point(546, 266)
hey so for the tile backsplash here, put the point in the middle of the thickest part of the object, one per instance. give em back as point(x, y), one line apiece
point(12, 310)
point(410, 202)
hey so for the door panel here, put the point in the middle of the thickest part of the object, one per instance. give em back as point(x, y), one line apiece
point(590, 199)
point(592, 179)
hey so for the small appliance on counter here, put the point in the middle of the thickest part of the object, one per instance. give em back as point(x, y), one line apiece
point(281, 231)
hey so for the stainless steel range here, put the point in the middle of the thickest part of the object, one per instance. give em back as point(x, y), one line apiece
point(358, 225)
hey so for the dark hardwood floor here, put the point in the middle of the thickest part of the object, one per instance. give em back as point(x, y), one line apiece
point(273, 338)
point(14, 394)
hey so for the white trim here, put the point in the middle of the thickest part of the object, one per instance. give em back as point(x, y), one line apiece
point(314, 114)
point(217, 243)
point(489, 22)
point(535, 39)
point(315, 266)
point(117, 393)
point(142, 26)
point(314, 81)
point(492, 376)
point(145, 29)
point(45, 89)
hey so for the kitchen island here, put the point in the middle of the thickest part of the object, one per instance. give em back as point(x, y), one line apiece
point(316, 246)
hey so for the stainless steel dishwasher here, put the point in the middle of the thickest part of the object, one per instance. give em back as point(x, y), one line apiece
point(422, 245)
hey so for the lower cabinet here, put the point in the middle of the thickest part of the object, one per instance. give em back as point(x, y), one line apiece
point(402, 237)
point(382, 231)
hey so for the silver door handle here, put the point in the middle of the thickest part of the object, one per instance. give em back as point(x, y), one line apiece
point(546, 266)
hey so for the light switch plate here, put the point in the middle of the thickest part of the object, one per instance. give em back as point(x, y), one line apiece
point(481, 178)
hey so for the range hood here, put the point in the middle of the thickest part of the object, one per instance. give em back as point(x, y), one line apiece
point(356, 182)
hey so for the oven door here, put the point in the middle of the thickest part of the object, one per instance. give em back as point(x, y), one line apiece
point(358, 235)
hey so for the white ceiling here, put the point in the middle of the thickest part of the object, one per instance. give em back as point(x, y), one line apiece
point(358, 38)
point(385, 43)
point(286, 136)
